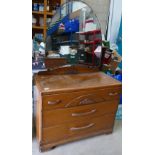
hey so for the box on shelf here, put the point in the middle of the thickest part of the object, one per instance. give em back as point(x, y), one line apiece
point(72, 25)
point(73, 58)
point(82, 56)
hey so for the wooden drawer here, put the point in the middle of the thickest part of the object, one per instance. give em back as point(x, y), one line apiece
point(77, 129)
point(66, 100)
point(56, 117)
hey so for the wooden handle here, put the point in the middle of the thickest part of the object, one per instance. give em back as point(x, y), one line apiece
point(113, 94)
point(84, 114)
point(81, 128)
point(54, 102)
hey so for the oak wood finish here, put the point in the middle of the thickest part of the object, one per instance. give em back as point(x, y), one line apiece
point(55, 62)
point(69, 69)
point(77, 113)
point(77, 128)
point(74, 106)
point(65, 100)
point(49, 146)
point(75, 82)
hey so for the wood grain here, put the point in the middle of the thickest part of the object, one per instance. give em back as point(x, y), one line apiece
point(62, 132)
point(62, 116)
point(49, 146)
point(79, 98)
point(84, 81)
point(39, 118)
point(54, 62)
point(58, 69)
point(74, 106)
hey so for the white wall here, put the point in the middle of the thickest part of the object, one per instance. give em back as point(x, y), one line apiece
point(101, 9)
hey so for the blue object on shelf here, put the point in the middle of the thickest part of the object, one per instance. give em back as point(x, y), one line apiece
point(72, 25)
point(35, 7)
point(39, 37)
point(118, 77)
point(55, 26)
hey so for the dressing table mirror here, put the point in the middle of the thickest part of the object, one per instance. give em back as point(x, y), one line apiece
point(73, 37)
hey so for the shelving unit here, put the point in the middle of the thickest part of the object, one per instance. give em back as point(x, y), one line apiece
point(49, 13)
point(37, 27)
point(92, 42)
point(90, 32)
point(45, 14)
point(38, 12)
point(64, 38)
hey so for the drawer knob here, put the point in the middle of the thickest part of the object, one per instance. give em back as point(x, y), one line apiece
point(85, 113)
point(113, 94)
point(54, 102)
point(81, 128)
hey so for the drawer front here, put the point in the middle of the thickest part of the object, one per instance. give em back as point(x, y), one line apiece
point(77, 129)
point(66, 100)
point(59, 116)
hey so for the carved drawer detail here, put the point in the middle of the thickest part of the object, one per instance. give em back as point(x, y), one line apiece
point(67, 100)
point(84, 100)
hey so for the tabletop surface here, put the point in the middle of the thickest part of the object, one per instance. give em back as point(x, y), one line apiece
point(50, 83)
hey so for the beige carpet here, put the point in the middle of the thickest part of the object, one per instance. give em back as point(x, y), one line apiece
point(99, 145)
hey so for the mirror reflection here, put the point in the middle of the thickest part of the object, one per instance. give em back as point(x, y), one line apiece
point(74, 34)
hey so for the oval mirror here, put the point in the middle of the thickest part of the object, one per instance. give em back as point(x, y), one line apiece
point(74, 35)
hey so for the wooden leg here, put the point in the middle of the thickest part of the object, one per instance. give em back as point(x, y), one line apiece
point(42, 149)
point(53, 147)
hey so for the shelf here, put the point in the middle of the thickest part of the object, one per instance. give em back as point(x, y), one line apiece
point(38, 27)
point(49, 13)
point(56, 34)
point(92, 42)
point(42, 13)
point(38, 12)
point(90, 32)
point(45, 14)
point(68, 42)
